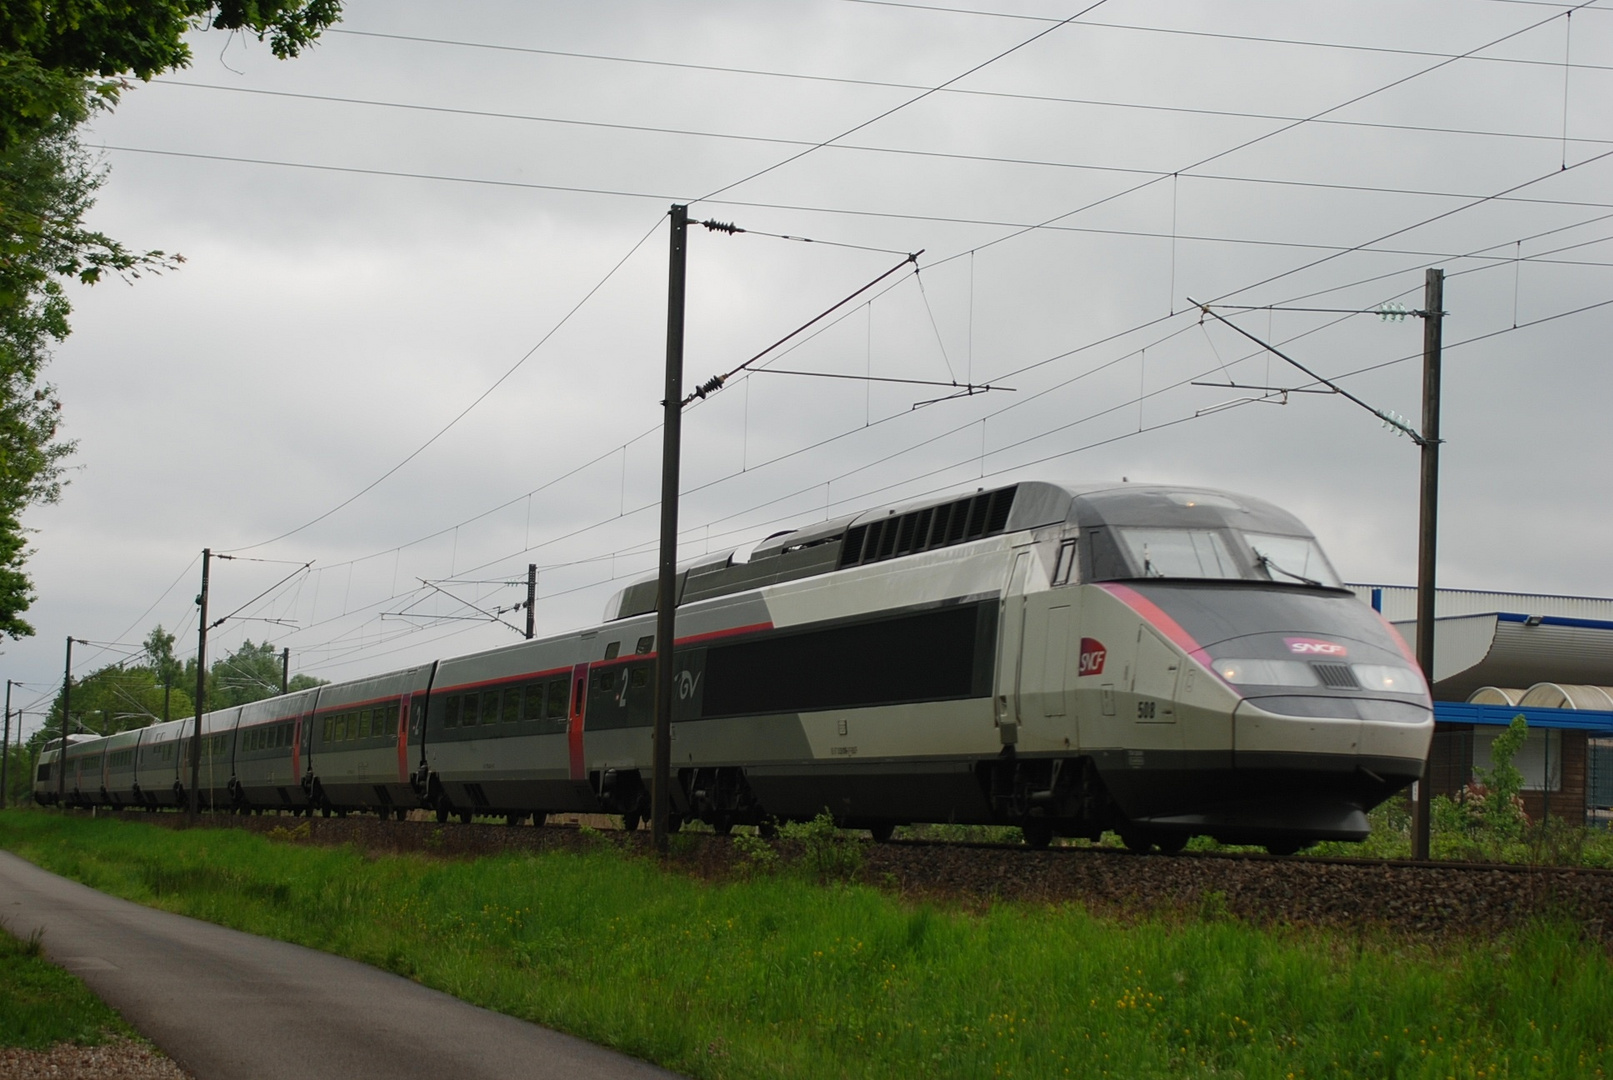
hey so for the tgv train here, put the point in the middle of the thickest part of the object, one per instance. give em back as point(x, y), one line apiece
point(1163, 662)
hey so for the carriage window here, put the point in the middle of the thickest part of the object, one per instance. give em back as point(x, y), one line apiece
point(467, 712)
point(1293, 559)
point(613, 650)
point(364, 718)
point(1065, 563)
point(558, 699)
point(450, 712)
point(490, 706)
point(605, 680)
point(1179, 553)
point(645, 644)
point(641, 677)
point(532, 702)
point(512, 704)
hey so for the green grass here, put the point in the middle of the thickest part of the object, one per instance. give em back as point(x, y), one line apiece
point(779, 976)
point(42, 1005)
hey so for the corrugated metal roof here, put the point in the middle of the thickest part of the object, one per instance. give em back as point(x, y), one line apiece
point(1400, 603)
point(1511, 650)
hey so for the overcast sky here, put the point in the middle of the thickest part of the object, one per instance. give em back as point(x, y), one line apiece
point(430, 192)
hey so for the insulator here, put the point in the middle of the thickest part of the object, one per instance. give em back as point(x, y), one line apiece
point(711, 386)
point(722, 226)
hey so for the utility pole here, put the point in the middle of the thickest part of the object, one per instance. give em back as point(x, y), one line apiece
point(1428, 521)
point(5, 747)
point(285, 669)
point(195, 806)
point(666, 596)
point(67, 697)
point(531, 598)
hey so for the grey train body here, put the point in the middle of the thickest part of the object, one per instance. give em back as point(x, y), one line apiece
point(1163, 662)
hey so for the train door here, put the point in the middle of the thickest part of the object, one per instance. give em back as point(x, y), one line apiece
point(1010, 648)
point(403, 737)
point(1056, 663)
point(1153, 683)
point(574, 728)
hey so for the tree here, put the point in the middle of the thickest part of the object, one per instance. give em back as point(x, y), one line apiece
point(250, 673)
point(120, 697)
point(60, 61)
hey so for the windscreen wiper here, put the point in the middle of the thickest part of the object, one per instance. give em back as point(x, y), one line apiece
point(1268, 564)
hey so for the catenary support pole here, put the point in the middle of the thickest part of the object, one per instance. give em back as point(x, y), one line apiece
point(666, 596)
point(1428, 522)
point(194, 804)
point(5, 747)
point(285, 669)
point(531, 599)
point(67, 700)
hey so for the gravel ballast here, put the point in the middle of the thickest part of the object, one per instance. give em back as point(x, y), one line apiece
point(1427, 899)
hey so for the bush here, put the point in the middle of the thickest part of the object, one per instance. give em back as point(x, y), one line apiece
point(825, 851)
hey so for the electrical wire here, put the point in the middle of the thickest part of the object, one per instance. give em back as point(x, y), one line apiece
point(893, 110)
point(954, 90)
point(372, 485)
point(1174, 31)
point(1018, 227)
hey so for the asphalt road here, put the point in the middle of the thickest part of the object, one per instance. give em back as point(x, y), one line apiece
point(228, 1005)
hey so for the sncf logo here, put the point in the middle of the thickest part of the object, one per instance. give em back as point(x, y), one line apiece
point(1304, 646)
point(1093, 654)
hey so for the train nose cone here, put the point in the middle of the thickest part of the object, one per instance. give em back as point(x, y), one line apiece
point(1295, 732)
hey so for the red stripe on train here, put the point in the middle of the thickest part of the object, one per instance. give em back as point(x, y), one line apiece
point(579, 701)
point(1156, 617)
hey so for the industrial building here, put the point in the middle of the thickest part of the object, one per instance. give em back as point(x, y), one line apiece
point(1500, 654)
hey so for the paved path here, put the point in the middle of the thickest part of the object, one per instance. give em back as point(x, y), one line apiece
point(228, 1005)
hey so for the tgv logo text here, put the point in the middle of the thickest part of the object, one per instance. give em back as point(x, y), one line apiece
point(1093, 654)
point(1304, 646)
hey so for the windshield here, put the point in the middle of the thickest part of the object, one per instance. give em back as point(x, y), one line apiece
point(1208, 553)
point(1291, 558)
point(1180, 553)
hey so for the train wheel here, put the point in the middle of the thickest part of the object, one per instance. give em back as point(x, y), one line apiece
point(1284, 847)
point(513, 820)
point(464, 817)
point(632, 820)
point(1038, 832)
point(768, 829)
point(442, 811)
point(882, 832)
point(538, 818)
point(1171, 843)
point(401, 813)
point(674, 822)
point(722, 825)
point(1137, 841)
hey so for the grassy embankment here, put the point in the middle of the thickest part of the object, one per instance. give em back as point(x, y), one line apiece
point(42, 1005)
point(779, 975)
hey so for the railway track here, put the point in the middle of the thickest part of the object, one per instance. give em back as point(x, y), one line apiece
point(1437, 899)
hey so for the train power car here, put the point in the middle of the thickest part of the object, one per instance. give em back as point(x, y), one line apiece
point(1163, 662)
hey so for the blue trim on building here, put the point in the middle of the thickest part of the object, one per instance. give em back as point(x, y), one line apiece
point(1457, 712)
point(1550, 620)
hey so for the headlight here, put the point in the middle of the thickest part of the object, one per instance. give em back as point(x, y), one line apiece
point(1389, 677)
point(1266, 672)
